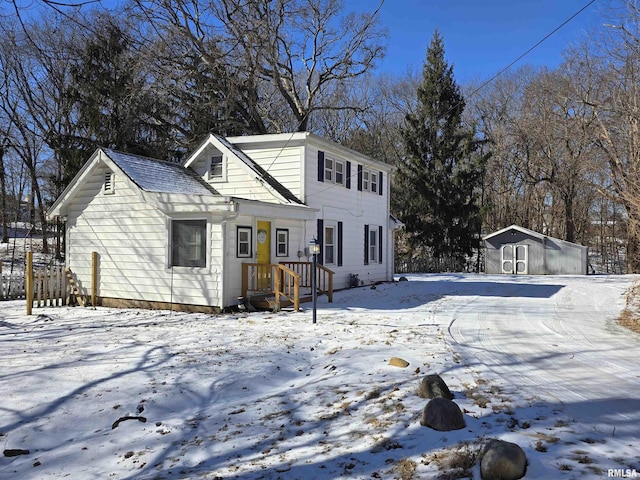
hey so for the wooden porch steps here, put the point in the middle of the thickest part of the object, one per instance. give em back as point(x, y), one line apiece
point(268, 301)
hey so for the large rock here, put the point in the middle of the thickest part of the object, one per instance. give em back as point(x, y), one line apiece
point(432, 386)
point(503, 461)
point(443, 415)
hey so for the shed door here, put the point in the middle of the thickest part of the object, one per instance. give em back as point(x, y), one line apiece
point(515, 259)
point(506, 253)
point(521, 259)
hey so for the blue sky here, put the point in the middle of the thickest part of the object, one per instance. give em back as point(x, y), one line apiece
point(481, 37)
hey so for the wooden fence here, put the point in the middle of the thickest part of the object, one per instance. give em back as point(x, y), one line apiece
point(11, 284)
point(53, 285)
point(50, 287)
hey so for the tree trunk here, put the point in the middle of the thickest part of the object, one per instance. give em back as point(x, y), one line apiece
point(4, 224)
point(633, 243)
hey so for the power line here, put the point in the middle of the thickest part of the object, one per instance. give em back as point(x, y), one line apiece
point(546, 37)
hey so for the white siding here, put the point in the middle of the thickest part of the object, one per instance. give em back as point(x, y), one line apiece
point(354, 209)
point(132, 239)
point(233, 267)
point(283, 164)
point(238, 182)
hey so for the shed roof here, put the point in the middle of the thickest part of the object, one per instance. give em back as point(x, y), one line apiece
point(530, 233)
point(154, 175)
point(526, 231)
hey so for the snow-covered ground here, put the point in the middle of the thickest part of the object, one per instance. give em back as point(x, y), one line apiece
point(538, 361)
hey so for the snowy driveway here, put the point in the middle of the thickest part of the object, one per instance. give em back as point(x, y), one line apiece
point(554, 339)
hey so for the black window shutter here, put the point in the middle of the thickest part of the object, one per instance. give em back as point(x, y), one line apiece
point(339, 244)
point(380, 185)
point(359, 178)
point(348, 183)
point(320, 166)
point(366, 244)
point(320, 240)
point(380, 244)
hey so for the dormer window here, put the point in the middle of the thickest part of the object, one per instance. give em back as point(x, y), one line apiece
point(216, 169)
point(108, 187)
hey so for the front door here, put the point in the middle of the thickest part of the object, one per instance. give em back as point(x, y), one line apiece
point(263, 254)
point(515, 259)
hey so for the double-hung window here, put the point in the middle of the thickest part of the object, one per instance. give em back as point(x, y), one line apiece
point(329, 245)
point(369, 181)
point(189, 243)
point(243, 246)
point(328, 170)
point(373, 244)
point(374, 182)
point(282, 242)
point(216, 169)
point(333, 171)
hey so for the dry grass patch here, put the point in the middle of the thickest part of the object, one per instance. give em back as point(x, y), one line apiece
point(406, 468)
point(630, 316)
point(456, 462)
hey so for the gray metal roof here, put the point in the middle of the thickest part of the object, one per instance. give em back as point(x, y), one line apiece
point(160, 176)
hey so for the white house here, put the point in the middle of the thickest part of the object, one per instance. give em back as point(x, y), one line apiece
point(187, 234)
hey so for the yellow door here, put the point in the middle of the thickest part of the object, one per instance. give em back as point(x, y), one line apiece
point(263, 254)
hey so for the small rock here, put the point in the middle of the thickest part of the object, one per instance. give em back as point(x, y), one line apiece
point(443, 415)
point(432, 386)
point(398, 362)
point(14, 452)
point(403, 279)
point(503, 460)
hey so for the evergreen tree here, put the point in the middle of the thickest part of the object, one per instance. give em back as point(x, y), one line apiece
point(437, 182)
point(115, 103)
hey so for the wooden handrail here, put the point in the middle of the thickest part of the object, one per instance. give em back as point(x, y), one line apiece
point(325, 281)
point(284, 280)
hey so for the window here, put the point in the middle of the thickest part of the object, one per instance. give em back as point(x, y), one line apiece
point(216, 170)
point(189, 243)
point(373, 244)
point(109, 183)
point(333, 171)
point(282, 243)
point(328, 170)
point(370, 181)
point(243, 248)
point(339, 173)
point(329, 245)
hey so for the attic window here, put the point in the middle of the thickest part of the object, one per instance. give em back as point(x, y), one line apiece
point(109, 183)
point(216, 169)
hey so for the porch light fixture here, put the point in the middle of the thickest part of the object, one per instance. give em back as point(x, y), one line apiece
point(314, 250)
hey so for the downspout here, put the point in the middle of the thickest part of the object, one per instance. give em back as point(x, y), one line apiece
point(231, 214)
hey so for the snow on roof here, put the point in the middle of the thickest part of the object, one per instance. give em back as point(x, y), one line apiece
point(530, 233)
point(518, 228)
point(160, 176)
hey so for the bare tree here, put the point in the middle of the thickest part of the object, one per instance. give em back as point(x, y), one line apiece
point(302, 49)
point(611, 89)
